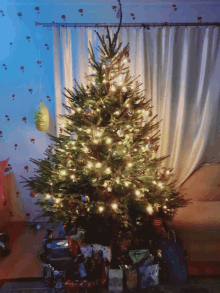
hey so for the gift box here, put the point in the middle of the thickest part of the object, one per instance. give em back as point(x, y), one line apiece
point(97, 248)
point(59, 248)
point(115, 280)
point(73, 286)
point(148, 275)
point(139, 255)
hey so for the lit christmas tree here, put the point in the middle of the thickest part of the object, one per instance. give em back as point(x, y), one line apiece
point(103, 168)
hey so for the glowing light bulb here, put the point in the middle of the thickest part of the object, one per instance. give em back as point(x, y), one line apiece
point(119, 142)
point(89, 165)
point(95, 141)
point(168, 172)
point(150, 209)
point(154, 182)
point(103, 66)
point(104, 80)
point(120, 83)
point(112, 74)
point(101, 209)
point(127, 126)
point(113, 88)
point(98, 165)
point(114, 206)
point(63, 125)
point(108, 170)
point(143, 148)
point(166, 199)
point(137, 192)
point(88, 130)
point(78, 109)
point(126, 184)
point(125, 60)
point(135, 150)
point(117, 113)
point(48, 196)
point(85, 150)
point(117, 180)
point(124, 89)
point(57, 200)
point(72, 176)
point(129, 164)
point(124, 151)
point(72, 142)
point(108, 140)
point(105, 184)
point(51, 183)
point(133, 86)
point(63, 172)
point(164, 207)
point(160, 185)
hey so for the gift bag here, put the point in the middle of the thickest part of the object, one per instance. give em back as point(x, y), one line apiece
point(148, 275)
point(59, 248)
point(131, 278)
point(115, 280)
point(173, 255)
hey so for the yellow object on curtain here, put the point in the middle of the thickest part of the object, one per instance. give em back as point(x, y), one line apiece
point(42, 118)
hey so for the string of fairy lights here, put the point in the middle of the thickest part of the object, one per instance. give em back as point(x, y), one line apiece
point(98, 136)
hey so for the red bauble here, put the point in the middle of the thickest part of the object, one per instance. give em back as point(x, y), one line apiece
point(89, 112)
point(107, 86)
point(141, 171)
point(33, 193)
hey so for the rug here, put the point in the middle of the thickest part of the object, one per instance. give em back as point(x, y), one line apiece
point(25, 287)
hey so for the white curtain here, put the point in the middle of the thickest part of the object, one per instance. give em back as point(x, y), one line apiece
point(180, 70)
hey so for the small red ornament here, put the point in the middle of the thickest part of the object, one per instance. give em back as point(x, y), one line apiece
point(141, 171)
point(33, 193)
point(89, 112)
point(107, 86)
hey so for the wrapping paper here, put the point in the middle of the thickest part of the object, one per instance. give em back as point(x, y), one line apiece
point(148, 275)
point(115, 280)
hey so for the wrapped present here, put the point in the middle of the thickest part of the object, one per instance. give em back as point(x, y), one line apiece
point(148, 275)
point(139, 255)
point(131, 278)
point(73, 286)
point(115, 280)
point(59, 279)
point(59, 248)
point(103, 251)
point(73, 246)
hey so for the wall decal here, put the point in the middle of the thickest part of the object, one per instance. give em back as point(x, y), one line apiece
point(15, 146)
point(13, 96)
point(63, 17)
point(22, 68)
point(1, 135)
point(199, 18)
point(174, 6)
point(132, 14)
point(1, 11)
point(24, 119)
point(37, 9)
point(20, 15)
point(7, 117)
point(32, 140)
point(26, 168)
point(30, 91)
point(39, 62)
point(4, 65)
point(28, 38)
point(81, 11)
point(47, 46)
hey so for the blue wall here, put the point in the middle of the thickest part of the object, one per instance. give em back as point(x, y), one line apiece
point(23, 44)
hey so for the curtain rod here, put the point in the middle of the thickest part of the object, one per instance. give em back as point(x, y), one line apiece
point(145, 25)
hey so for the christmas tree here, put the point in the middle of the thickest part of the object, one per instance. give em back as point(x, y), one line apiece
point(104, 170)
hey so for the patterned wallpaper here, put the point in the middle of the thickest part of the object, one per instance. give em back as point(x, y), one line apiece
point(27, 72)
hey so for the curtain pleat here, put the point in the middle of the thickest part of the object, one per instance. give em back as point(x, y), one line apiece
point(179, 70)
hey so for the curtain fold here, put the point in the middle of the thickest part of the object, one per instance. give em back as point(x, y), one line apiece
point(179, 70)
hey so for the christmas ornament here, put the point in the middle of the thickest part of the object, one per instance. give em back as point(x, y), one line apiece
point(85, 199)
point(90, 154)
point(89, 112)
point(156, 148)
point(141, 172)
point(33, 193)
point(129, 113)
point(42, 118)
point(71, 111)
point(149, 114)
point(114, 155)
point(73, 136)
point(149, 146)
point(107, 86)
point(106, 63)
point(120, 133)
